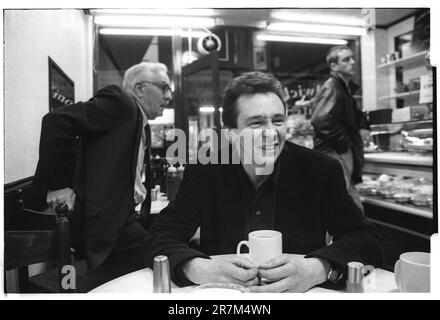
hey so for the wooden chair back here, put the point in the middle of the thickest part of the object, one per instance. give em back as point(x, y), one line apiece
point(27, 247)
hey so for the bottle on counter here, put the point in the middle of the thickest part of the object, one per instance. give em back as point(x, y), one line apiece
point(161, 275)
point(173, 183)
point(180, 170)
point(355, 277)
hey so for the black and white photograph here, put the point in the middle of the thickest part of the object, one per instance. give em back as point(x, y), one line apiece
point(220, 152)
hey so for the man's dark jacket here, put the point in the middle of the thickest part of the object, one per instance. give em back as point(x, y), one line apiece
point(336, 120)
point(312, 198)
point(109, 129)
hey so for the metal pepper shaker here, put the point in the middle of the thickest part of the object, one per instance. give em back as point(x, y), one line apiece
point(355, 277)
point(161, 275)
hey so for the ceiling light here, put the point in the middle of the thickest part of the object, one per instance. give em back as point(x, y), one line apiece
point(138, 32)
point(155, 21)
point(152, 32)
point(279, 38)
point(316, 28)
point(163, 12)
point(299, 16)
point(207, 109)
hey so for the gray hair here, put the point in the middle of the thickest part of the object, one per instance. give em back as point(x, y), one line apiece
point(332, 55)
point(136, 73)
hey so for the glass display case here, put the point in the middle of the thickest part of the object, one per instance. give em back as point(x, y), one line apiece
point(399, 190)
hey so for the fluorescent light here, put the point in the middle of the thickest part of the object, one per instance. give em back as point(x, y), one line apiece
point(316, 28)
point(156, 21)
point(269, 37)
point(318, 18)
point(163, 12)
point(151, 32)
point(138, 32)
point(207, 109)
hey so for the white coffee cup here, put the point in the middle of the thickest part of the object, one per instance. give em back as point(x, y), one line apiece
point(263, 245)
point(412, 272)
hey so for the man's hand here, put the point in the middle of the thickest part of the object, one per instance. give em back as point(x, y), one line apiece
point(365, 135)
point(291, 272)
point(58, 196)
point(238, 270)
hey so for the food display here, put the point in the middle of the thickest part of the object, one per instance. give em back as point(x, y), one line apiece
point(418, 140)
point(403, 190)
point(422, 200)
point(299, 130)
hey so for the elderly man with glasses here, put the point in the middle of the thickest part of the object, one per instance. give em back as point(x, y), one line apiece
point(104, 186)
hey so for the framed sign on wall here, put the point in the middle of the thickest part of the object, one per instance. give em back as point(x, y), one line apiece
point(61, 87)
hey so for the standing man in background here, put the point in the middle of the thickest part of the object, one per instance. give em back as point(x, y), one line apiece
point(340, 126)
point(106, 186)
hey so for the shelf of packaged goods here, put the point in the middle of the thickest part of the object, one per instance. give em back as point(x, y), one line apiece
point(415, 58)
point(399, 95)
point(407, 208)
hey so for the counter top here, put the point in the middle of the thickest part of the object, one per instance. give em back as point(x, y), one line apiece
point(421, 212)
point(405, 158)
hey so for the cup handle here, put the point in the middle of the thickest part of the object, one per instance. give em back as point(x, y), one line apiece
point(397, 274)
point(244, 242)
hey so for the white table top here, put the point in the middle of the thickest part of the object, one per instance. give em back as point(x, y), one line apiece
point(158, 205)
point(141, 281)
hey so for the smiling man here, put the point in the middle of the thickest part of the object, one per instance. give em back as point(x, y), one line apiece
point(261, 134)
point(105, 185)
point(302, 195)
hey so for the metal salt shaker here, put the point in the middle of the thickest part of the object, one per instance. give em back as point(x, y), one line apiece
point(355, 277)
point(161, 275)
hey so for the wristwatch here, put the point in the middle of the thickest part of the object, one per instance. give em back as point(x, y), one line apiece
point(333, 275)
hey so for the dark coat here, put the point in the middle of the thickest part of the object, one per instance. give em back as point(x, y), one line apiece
point(109, 129)
point(336, 120)
point(312, 198)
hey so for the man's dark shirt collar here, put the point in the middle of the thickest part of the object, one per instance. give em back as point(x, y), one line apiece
point(260, 203)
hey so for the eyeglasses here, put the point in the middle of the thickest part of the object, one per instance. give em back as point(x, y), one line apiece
point(165, 87)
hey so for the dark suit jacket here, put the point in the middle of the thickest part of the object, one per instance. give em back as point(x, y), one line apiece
point(336, 120)
point(312, 198)
point(109, 127)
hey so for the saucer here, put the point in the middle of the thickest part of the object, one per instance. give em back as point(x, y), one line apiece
point(222, 288)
